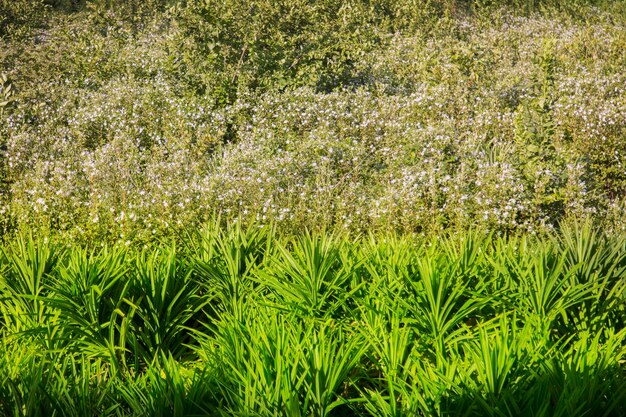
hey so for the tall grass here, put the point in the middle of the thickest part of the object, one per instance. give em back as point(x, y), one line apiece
point(240, 321)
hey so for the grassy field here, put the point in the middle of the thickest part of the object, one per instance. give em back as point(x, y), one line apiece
point(312, 208)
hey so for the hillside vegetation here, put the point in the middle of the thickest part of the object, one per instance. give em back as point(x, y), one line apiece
point(128, 120)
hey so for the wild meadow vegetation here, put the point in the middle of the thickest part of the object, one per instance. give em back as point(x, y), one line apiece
point(312, 208)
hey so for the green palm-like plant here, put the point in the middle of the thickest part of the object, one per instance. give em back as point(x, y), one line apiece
point(27, 264)
point(440, 301)
point(310, 278)
point(503, 357)
point(496, 355)
point(242, 323)
point(263, 363)
point(20, 379)
point(584, 376)
point(598, 263)
point(168, 388)
point(169, 301)
point(91, 294)
point(274, 364)
point(332, 355)
point(386, 264)
point(539, 282)
point(81, 387)
point(396, 388)
point(224, 261)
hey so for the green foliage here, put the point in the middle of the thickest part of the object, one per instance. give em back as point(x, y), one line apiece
point(18, 18)
point(263, 44)
point(245, 322)
point(310, 277)
point(535, 131)
point(6, 91)
point(168, 300)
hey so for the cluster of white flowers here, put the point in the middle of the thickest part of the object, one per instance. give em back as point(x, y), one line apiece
point(431, 143)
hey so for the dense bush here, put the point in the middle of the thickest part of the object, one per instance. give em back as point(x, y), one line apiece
point(409, 116)
point(18, 18)
point(288, 43)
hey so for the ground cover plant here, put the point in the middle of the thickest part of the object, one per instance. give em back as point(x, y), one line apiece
point(320, 208)
point(243, 322)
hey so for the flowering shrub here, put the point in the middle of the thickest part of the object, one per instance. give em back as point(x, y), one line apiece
point(126, 130)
